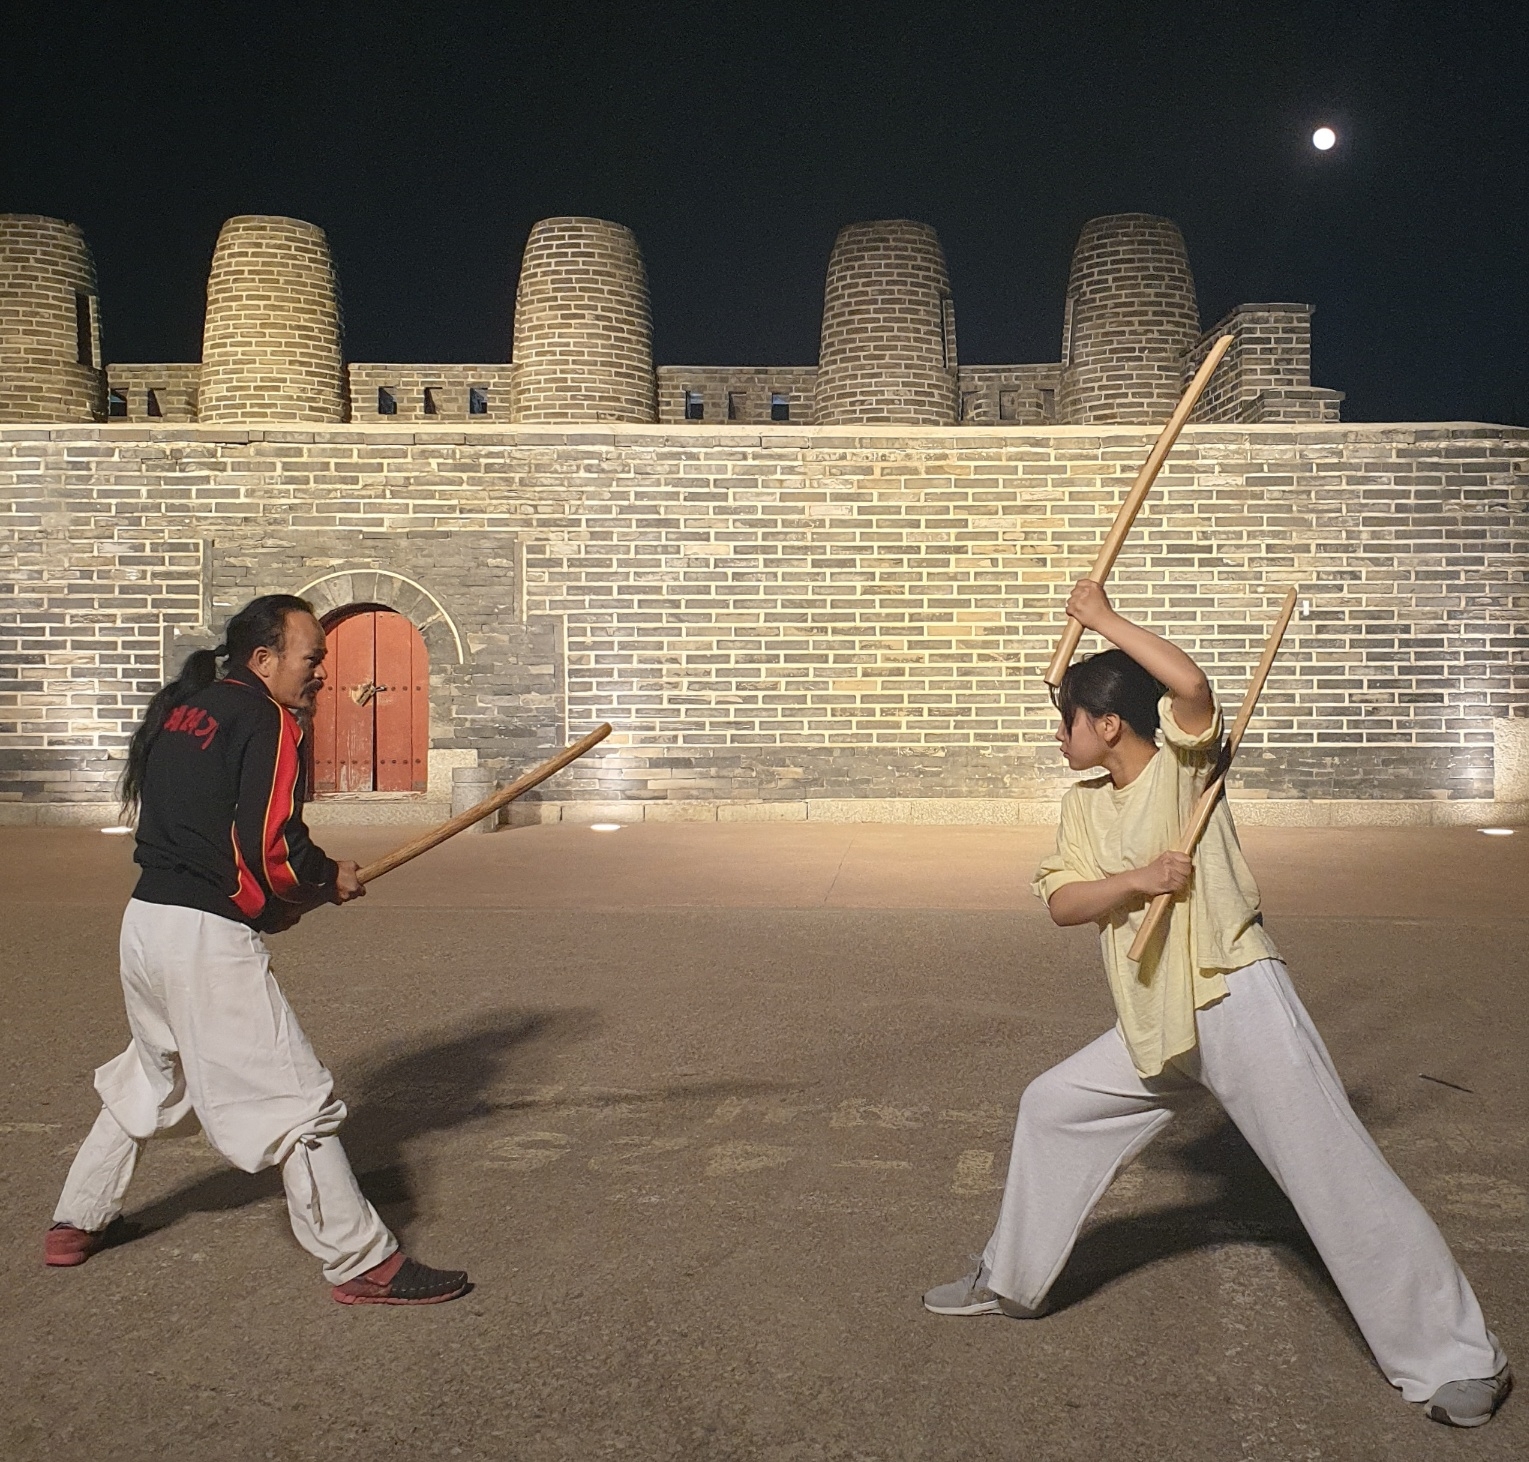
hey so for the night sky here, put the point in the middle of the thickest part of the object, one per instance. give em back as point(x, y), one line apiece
point(735, 139)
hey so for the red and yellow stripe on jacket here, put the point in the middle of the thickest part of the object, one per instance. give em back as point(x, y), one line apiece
point(273, 854)
point(281, 807)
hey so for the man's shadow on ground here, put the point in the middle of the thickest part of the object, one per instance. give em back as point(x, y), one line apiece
point(395, 1096)
point(407, 1091)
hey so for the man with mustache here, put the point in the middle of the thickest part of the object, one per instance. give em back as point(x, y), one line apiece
point(217, 772)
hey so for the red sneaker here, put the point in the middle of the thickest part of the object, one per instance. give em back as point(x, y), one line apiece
point(65, 1246)
point(400, 1281)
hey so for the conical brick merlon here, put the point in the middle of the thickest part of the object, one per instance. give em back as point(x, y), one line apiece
point(1131, 318)
point(50, 323)
point(888, 348)
point(271, 343)
point(583, 346)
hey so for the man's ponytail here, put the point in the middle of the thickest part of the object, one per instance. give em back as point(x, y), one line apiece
point(197, 673)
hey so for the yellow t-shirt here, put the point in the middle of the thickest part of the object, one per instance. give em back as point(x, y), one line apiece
point(1105, 830)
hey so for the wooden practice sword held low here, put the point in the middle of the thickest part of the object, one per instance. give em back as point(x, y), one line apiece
point(1067, 646)
point(1199, 819)
point(463, 820)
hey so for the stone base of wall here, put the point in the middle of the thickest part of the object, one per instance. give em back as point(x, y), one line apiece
point(979, 811)
point(372, 810)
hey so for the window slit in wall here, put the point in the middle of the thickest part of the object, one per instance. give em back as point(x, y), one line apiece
point(387, 402)
point(84, 331)
point(695, 406)
point(780, 406)
point(732, 405)
point(1048, 402)
point(1008, 406)
point(151, 403)
point(116, 404)
point(477, 400)
point(431, 408)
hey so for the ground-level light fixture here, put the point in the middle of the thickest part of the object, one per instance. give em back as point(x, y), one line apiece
point(1496, 832)
point(605, 827)
point(116, 830)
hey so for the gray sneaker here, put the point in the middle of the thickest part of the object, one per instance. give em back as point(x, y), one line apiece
point(971, 1296)
point(1468, 1403)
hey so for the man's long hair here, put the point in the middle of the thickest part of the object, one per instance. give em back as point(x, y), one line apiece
point(262, 622)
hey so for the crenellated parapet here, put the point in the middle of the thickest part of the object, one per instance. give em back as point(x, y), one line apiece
point(1266, 374)
point(582, 342)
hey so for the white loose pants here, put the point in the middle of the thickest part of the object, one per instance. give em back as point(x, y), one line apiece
point(1261, 1057)
point(213, 1034)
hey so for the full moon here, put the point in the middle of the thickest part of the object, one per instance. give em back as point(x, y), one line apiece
point(1323, 138)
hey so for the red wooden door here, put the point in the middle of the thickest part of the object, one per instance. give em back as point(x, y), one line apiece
point(402, 703)
point(371, 731)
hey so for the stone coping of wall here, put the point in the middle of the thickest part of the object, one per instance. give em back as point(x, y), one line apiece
point(670, 433)
point(403, 808)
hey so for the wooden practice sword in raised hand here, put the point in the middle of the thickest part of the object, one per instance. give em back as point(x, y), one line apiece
point(1199, 819)
point(1072, 632)
point(463, 820)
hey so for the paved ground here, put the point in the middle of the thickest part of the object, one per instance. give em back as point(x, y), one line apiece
point(703, 1108)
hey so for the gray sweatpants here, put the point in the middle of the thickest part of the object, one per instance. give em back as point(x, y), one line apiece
point(1262, 1059)
point(213, 1034)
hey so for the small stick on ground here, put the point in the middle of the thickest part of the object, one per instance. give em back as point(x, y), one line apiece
point(1440, 1081)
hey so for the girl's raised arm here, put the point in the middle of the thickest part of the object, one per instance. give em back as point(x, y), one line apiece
point(1193, 707)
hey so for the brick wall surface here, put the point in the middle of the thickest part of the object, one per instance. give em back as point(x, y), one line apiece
point(45, 266)
point(888, 346)
point(583, 346)
point(779, 614)
point(495, 678)
point(1130, 319)
point(271, 340)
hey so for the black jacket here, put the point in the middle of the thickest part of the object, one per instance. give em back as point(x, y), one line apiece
point(220, 821)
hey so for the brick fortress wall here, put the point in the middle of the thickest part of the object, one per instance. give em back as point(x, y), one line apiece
point(583, 336)
point(770, 617)
point(1130, 319)
point(50, 323)
point(1266, 373)
point(271, 342)
point(887, 351)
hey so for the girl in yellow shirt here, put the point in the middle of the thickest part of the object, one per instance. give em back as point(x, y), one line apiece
point(1211, 1005)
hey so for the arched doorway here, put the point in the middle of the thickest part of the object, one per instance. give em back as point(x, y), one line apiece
point(371, 731)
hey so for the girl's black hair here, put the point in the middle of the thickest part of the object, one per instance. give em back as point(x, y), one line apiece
point(1111, 683)
point(262, 622)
